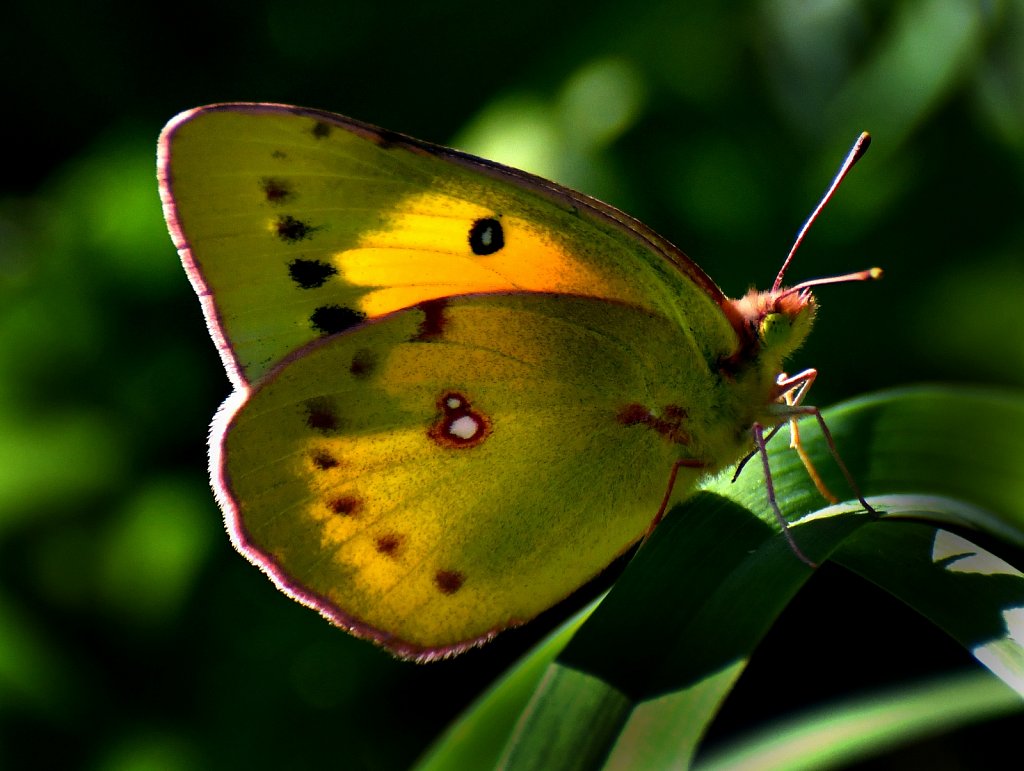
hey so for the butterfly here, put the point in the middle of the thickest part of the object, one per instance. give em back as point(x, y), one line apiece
point(460, 390)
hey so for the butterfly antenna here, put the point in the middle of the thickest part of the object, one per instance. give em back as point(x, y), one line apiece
point(871, 274)
point(856, 153)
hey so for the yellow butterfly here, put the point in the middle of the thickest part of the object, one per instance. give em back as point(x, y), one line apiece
point(461, 390)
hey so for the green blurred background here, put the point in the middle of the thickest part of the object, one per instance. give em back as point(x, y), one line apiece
point(131, 635)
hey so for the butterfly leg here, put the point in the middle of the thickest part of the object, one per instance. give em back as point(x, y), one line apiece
point(682, 463)
point(762, 450)
point(800, 409)
point(794, 389)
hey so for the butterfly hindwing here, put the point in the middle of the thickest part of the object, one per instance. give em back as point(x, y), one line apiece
point(443, 472)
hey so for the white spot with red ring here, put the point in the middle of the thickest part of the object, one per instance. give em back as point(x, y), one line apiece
point(464, 427)
point(458, 425)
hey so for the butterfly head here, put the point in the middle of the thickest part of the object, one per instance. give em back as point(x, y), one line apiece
point(776, 322)
point(785, 321)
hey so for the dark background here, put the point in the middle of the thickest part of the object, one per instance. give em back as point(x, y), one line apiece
point(131, 635)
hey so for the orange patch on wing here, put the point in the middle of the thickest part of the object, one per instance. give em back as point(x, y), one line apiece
point(435, 245)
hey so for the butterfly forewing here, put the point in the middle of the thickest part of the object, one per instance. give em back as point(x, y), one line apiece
point(295, 224)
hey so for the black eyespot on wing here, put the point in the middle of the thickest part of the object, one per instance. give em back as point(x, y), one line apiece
point(331, 319)
point(291, 230)
point(310, 274)
point(486, 236)
point(321, 130)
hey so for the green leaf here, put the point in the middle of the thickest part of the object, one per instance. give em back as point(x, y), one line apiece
point(853, 729)
point(476, 740)
point(970, 593)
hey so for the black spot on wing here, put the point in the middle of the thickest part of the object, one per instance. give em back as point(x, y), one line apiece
point(277, 191)
point(486, 236)
point(321, 130)
point(449, 581)
point(390, 544)
point(321, 415)
point(363, 363)
point(345, 505)
point(291, 230)
point(310, 274)
point(323, 460)
point(331, 319)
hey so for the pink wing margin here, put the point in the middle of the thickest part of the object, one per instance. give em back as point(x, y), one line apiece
point(214, 324)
